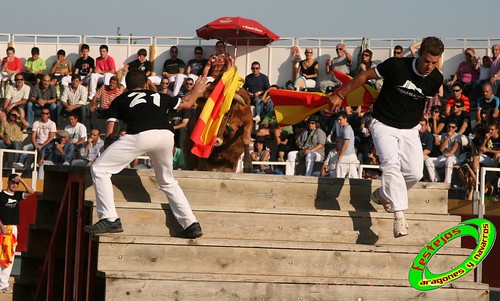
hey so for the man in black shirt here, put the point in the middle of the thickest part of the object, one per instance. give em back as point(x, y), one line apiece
point(9, 218)
point(148, 131)
point(396, 116)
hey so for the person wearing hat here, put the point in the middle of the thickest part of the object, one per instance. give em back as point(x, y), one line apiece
point(311, 145)
point(62, 150)
point(260, 153)
point(9, 218)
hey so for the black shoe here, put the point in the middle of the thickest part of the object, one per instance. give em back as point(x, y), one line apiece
point(105, 226)
point(193, 231)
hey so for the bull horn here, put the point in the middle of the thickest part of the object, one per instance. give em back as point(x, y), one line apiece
point(239, 99)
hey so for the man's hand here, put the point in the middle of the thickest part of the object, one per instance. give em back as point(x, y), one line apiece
point(334, 103)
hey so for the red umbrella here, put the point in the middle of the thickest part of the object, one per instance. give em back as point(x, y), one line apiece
point(233, 29)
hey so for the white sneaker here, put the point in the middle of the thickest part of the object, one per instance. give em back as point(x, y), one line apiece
point(256, 119)
point(18, 165)
point(377, 198)
point(400, 226)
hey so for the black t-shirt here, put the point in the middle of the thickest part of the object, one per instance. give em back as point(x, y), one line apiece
point(137, 65)
point(84, 65)
point(458, 120)
point(9, 207)
point(175, 117)
point(197, 66)
point(401, 101)
point(143, 110)
point(173, 66)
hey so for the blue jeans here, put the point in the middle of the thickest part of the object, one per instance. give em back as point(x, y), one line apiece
point(262, 108)
point(17, 145)
point(32, 108)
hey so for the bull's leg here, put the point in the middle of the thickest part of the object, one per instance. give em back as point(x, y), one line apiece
point(247, 160)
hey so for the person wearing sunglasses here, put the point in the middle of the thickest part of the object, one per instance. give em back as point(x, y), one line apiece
point(450, 151)
point(195, 66)
point(307, 72)
point(17, 96)
point(341, 62)
point(10, 199)
point(457, 95)
point(398, 51)
point(256, 83)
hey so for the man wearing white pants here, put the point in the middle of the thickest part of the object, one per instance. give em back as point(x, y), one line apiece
point(397, 112)
point(347, 161)
point(450, 147)
point(104, 69)
point(148, 131)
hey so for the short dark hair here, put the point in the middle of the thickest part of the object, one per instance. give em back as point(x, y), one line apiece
point(84, 47)
point(103, 46)
point(35, 50)
point(457, 84)
point(12, 177)
point(113, 78)
point(61, 52)
point(398, 47)
point(135, 79)
point(75, 76)
point(342, 114)
point(142, 52)
point(72, 114)
point(432, 45)
point(198, 48)
point(10, 48)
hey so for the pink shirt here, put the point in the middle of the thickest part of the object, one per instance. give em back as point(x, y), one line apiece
point(466, 73)
point(106, 65)
point(495, 66)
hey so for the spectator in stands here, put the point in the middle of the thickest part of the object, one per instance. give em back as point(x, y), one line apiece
point(90, 150)
point(489, 152)
point(487, 102)
point(165, 86)
point(84, 66)
point(188, 86)
point(261, 154)
point(62, 150)
point(311, 145)
point(77, 131)
point(347, 160)
point(367, 63)
point(17, 96)
point(459, 116)
point(102, 100)
point(105, 68)
point(61, 69)
point(467, 72)
point(457, 95)
point(495, 68)
point(74, 99)
point(398, 51)
point(9, 218)
point(484, 77)
point(434, 118)
point(330, 164)
point(11, 65)
point(219, 62)
point(179, 120)
point(341, 62)
point(35, 66)
point(426, 137)
point(256, 83)
point(450, 148)
point(178, 158)
point(307, 73)
point(44, 131)
point(11, 133)
point(174, 68)
point(42, 95)
point(195, 66)
point(142, 64)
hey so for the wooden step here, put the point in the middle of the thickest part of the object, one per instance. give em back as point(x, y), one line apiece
point(123, 286)
point(250, 257)
point(274, 224)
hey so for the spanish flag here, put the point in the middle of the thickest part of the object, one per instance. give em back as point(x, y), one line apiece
point(8, 243)
point(292, 107)
point(219, 102)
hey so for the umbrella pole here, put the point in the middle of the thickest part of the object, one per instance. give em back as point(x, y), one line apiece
point(236, 45)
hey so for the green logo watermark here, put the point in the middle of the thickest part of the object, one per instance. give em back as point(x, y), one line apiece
point(484, 233)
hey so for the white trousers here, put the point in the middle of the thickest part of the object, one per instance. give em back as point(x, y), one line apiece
point(401, 161)
point(447, 162)
point(5, 272)
point(95, 79)
point(4, 76)
point(347, 166)
point(158, 144)
point(310, 159)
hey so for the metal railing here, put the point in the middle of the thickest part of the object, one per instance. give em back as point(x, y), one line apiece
point(34, 174)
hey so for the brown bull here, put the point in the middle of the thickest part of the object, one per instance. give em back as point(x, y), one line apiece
point(232, 140)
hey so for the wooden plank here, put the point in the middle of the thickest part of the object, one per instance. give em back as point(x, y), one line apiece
point(264, 261)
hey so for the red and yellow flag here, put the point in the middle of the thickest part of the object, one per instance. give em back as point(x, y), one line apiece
point(292, 107)
point(219, 102)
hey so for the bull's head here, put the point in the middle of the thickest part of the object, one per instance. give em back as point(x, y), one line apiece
point(235, 118)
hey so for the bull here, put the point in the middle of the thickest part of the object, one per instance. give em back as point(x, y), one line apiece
point(233, 137)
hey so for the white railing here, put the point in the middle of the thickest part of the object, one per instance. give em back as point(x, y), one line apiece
point(34, 172)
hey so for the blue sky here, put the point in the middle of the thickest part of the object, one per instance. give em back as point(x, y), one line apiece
point(292, 18)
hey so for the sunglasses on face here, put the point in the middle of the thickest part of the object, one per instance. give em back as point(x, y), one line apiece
point(452, 127)
point(45, 113)
point(198, 53)
point(164, 83)
point(19, 79)
point(396, 52)
point(255, 68)
point(456, 91)
point(458, 106)
point(308, 52)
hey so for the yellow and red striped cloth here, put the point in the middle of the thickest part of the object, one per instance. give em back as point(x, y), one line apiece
point(8, 245)
point(219, 102)
point(292, 107)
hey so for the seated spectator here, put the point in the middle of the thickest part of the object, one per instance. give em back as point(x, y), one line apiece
point(457, 95)
point(218, 63)
point(173, 69)
point(17, 96)
point(90, 150)
point(84, 66)
point(11, 65)
point(398, 51)
point(467, 72)
point(101, 101)
point(74, 99)
point(427, 138)
point(105, 69)
point(261, 154)
point(450, 149)
point(61, 150)
point(35, 66)
point(330, 164)
point(61, 69)
point(77, 131)
point(311, 145)
point(365, 64)
point(307, 72)
point(142, 64)
point(165, 87)
point(179, 120)
point(178, 159)
point(11, 134)
point(341, 62)
point(459, 116)
point(484, 77)
point(44, 131)
point(347, 161)
point(42, 95)
point(188, 86)
point(195, 66)
point(433, 120)
point(495, 68)
point(256, 83)
point(487, 102)
point(489, 152)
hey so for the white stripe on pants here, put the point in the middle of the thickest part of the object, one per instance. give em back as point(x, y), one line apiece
point(5, 272)
point(97, 78)
point(158, 144)
point(401, 161)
